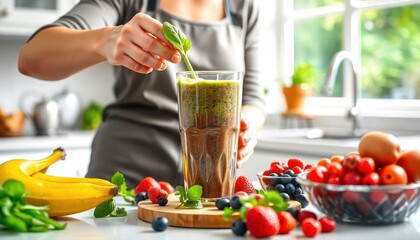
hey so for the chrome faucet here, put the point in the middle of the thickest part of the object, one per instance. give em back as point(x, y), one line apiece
point(353, 110)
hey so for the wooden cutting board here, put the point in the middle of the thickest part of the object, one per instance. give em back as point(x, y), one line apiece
point(207, 217)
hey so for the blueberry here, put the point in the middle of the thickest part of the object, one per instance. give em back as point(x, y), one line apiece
point(140, 197)
point(286, 178)
point(221, 203)
point(239, 227)
point(294, 212)
point(162, 201)
point(302, 200)
point(160, 224)
point(285, 196)
point(298, 191)
point(290, 188)
point(290, 173)
point(280, 188)
point(235, 203)
point(273, 179)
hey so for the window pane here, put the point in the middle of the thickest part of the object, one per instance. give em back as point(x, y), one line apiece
point(391, 53)
point(302, 4)
point(316, 42)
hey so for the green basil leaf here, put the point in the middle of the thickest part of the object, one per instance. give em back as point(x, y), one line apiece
point(129, 199)
point(228, 211)
point(182, 193)
point(193, 204)
point(195, 192)
point(119, 212)
point(105, 208)
point(118, 179)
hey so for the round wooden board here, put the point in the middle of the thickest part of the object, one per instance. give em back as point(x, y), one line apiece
point(207, 217)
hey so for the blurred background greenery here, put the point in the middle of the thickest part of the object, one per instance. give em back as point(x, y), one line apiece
point(390, 49)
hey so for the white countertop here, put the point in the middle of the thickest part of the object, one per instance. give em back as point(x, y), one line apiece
point(67, 140)
point(85, 226)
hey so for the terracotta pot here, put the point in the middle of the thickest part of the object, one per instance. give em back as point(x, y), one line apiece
point(295, 97)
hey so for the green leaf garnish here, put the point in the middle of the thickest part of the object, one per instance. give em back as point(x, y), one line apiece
point(271, 199)
point(105, 208)
point(179, 41)
point(119, 180)
point(190, 198)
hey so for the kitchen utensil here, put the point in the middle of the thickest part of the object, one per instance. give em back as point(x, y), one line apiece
point(70, 105)
point(45, 114)
point(207, 217)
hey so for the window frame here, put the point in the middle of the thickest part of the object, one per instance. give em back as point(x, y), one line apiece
point(336, 106)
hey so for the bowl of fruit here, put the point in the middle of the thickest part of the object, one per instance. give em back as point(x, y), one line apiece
point(281, 177)
point(376, 185)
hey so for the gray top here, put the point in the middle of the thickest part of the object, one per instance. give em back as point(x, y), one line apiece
point(140, 133)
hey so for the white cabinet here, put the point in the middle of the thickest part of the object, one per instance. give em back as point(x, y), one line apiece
point(23, 17)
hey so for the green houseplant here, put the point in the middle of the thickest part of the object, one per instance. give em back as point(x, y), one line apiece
point(300, 87)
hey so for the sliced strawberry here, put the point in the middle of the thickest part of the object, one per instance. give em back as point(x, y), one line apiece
point(145, 184)
point(244, 184)
point(167, 187)
point(155, 193)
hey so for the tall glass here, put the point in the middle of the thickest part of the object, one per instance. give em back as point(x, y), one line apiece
point(209, 104)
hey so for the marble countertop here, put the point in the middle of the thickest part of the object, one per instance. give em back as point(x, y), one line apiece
point(85, 226)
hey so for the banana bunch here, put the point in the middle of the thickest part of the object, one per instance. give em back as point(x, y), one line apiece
point(64, 195)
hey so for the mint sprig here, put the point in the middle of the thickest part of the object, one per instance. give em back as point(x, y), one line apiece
point(190, 198)
point(271, 199)
point(179, 41)
point(109, 208)
point(119, 180)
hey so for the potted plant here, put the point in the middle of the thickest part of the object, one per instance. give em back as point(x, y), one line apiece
point(300, 87)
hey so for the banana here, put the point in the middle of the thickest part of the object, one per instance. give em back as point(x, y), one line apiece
point(63, 195)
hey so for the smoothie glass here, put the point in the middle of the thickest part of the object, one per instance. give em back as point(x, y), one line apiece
point(209, 105)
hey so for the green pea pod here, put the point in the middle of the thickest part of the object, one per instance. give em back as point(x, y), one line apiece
point(6, 205)
point(15, 223)
point(38, 229)
point(56, 225)
point(30, 220)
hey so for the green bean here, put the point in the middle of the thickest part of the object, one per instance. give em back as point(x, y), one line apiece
point(15, 223)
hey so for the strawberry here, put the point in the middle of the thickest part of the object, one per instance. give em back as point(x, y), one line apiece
point(244, 184)
point(167, 187)
point(327, 224)
point(304, 214)
point(287, 222)
point(295, 162)
point(155, 193)
point(311, 227)
point(145, 184)
point(262, 221)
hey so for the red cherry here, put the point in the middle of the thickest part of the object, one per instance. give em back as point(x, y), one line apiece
point(371, 179)
point(350, 161)
point(352, 178)
point(317, 174)
point(366, 165)
point(351, 196)
point(335, 170)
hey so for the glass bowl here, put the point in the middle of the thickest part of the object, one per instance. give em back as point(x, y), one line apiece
point(286, 185)
point(376, 205)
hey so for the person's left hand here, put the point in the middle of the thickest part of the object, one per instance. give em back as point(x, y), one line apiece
point(247, 142)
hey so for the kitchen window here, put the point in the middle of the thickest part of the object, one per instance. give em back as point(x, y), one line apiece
point(383, 37)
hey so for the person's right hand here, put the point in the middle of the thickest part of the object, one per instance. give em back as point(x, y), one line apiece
point(140, 46)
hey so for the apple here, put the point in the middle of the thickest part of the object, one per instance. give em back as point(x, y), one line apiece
point(410, 161)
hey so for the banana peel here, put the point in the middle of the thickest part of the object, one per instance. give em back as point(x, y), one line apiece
point(64, 195)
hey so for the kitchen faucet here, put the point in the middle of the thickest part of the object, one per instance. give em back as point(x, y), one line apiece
point(353, 110)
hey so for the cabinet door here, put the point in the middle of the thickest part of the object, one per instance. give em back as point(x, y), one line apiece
point(23, 17)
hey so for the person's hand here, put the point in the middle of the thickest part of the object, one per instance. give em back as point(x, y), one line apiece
point(246, 143)
point(139, 45)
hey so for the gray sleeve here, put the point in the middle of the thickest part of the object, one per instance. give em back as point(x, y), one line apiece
point(253, 92)
point(94, 14)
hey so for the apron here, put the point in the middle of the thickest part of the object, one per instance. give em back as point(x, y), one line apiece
point(140, 133)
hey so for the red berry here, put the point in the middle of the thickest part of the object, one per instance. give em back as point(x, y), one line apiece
point(335, 170)
point(317, 174)
point(308, 166)
point(287, 222)
point(311, 227)
point(145, 184)
point(366, 165)
point(350, 161)
point(262, 221)
point(277, 169)
point(327, 224)
point(155, 193)
point(243, 184)
point(371, 179)
point(167, 187)
point(377, 196)
point(334, 180)
point(304, 214)
point(274, 163)
point(352, 178)
point(297, 169)
point(295, 162)
point(351, 196)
